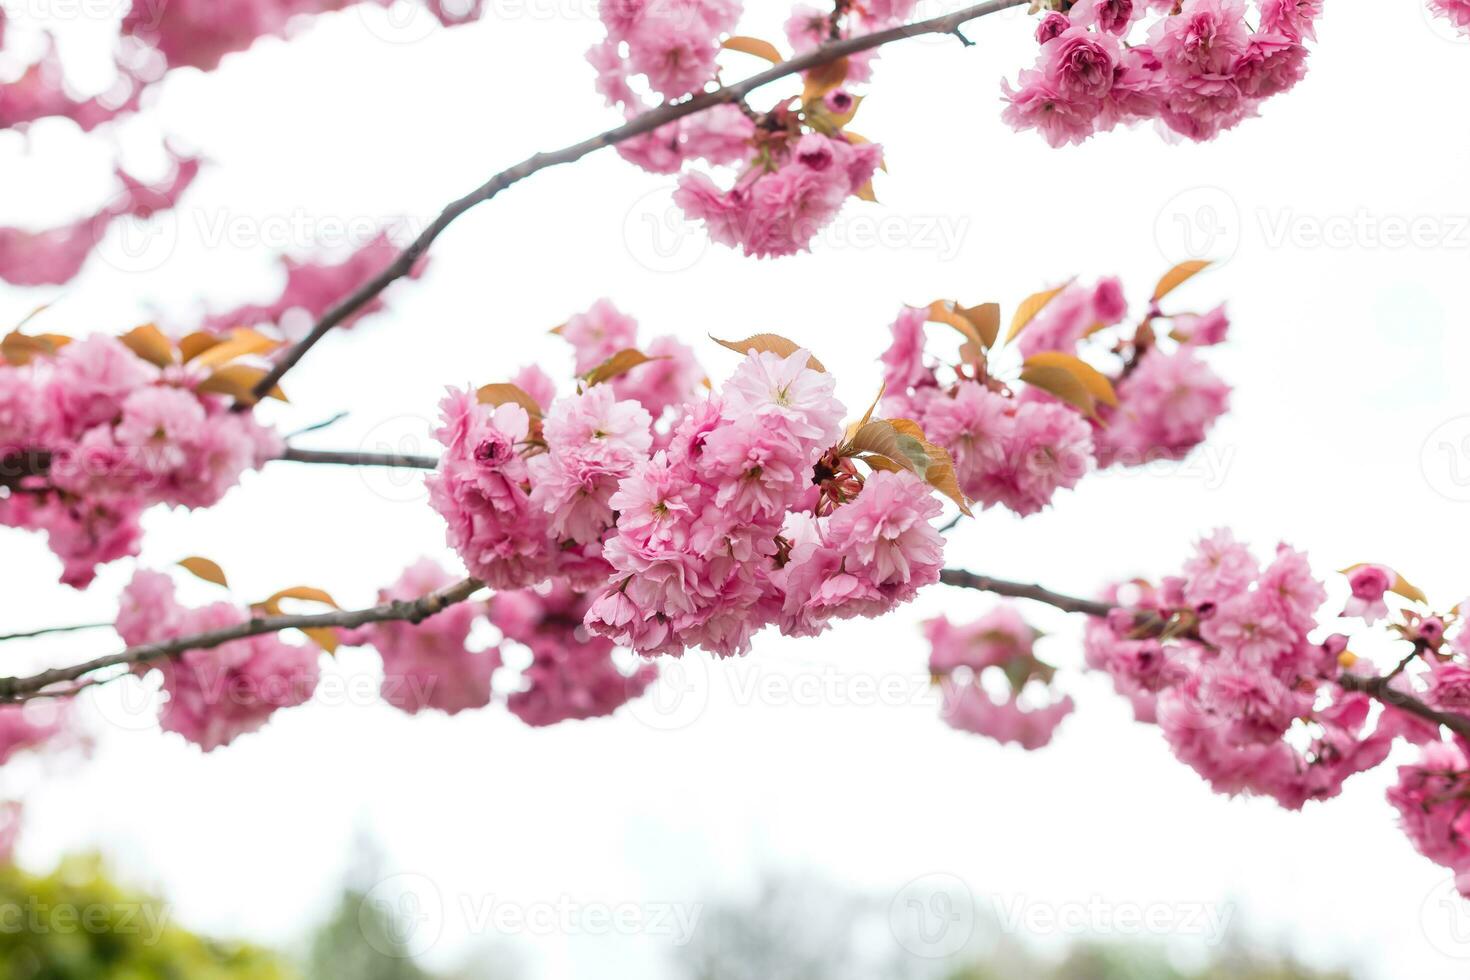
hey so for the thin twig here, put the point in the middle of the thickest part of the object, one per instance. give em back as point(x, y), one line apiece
point(406, 610)
point(643, 123)
point(54, 629)
point(404, 460)
point(318, 426)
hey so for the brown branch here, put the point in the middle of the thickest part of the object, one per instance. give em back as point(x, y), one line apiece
point(1382, 691)
point(1016, 590)
point(404, 460)
point(406, 610)
point(643, 123)
point(1378, 688)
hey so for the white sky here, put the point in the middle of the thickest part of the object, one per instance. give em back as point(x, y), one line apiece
point(1347, 438)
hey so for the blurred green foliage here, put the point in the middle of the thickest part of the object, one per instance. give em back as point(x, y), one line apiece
point(76, 924)
point(1133, 961)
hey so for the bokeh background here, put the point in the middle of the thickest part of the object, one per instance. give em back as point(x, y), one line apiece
point(805, 800)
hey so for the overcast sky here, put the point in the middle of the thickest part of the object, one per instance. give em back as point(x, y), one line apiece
point(1349, 437)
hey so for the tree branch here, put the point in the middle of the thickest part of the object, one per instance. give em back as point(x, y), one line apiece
point(1016, 590)
point(643, 123)
point(404, 460)
point(406, 610)
point(1382, 691)
point(1378, 688)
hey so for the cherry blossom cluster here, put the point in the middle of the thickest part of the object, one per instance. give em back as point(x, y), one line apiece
point(432, 664)
point(1147, 397)
point(730, 511)
point(26, 727)
point(198, 33)
point(92, 433)
point(572, 674)
point(311, 288)
point(1000, 648)
point(1197, 67)
point(437, 664)
point(213, 696)
point(1457, 12)
point(1220, 657)
point(1254, 687)
point(40, 92)
point(55, 255)
point(796, 166)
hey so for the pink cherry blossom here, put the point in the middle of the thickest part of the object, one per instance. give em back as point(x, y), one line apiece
point(430, 665)
point(94, 435)
point(572, 674)
point(481, 491)
point(1166, 407)
point(214, 695)
point(1457, 12)
point(1369, 584)
point(55, 256)
point(970, 708)
point(314, 286)
point(1429, 797)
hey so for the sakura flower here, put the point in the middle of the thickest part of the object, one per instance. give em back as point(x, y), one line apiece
point(1369, 584)
point(990, 641)
point(1048, 448)
point(430, 664)
point(1429, 797)
point(598, 334)
point(572, 674)
point(970, 708)
point(480, 489)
